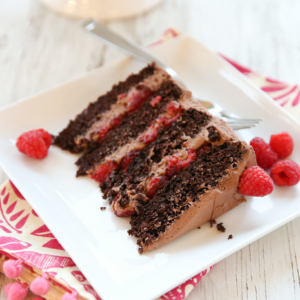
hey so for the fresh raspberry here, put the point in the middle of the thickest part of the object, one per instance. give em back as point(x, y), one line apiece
point(155, 184)
point(267, 159)
point(265, 156)
point(103, 171)
point(282, 144)
point(155, 101)
point(34, 143)
point(255, 181)
point(285, 172)
point(137, 99)
point(126, 160)
point(259, 145)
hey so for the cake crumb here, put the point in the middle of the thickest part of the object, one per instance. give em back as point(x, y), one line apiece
point(103, 208)
point(220, 227)
point(199, 227)
point(212, 222)
point(230, 237)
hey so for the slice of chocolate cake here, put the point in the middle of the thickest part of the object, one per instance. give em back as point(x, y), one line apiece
point(90, 127)
point(164, 159)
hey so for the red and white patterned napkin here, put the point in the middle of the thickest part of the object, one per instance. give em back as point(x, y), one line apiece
point(23, 234)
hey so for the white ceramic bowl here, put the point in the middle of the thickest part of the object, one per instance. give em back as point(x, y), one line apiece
point(100, 9)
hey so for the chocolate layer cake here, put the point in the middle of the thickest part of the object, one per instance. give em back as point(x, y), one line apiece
point(167, 163)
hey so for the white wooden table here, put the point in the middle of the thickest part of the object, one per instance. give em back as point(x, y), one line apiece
point(39, 49)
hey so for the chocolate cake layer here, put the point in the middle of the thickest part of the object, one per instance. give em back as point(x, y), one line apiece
point(209, 172)
point(78, 126)
point(131, 127)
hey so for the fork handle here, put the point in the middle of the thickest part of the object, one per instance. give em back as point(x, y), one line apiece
point(111, 38)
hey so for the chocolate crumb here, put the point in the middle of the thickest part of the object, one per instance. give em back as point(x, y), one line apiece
point(103, 208)
point(212, 222)
point(199, 227)
point(230, 237)
point(220, 227)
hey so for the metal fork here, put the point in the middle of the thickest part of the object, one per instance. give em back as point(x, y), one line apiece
point(111, 38)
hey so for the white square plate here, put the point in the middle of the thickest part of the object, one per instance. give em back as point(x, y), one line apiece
point(98, 241)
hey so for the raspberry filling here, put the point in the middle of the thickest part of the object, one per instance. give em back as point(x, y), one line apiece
point(120, 211)
point(126, 160)
point(155, 184)
point(173, 108)
point(175, 164)
point(173, 112)
point(155, 101)
point(150, 135)
point(102, 132)
point(103, 171)
point(137, 98)
point(112, 123)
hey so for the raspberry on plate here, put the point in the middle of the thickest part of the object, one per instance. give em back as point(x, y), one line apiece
point(285, 172)
point(255, 181)
point(34, 143)
point(267, 159)
point(282, 144)
point(265, 156)
point(259, 145)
